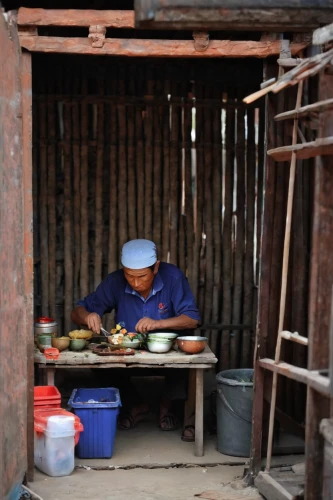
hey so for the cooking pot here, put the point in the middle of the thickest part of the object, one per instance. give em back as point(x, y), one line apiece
point(45, 326)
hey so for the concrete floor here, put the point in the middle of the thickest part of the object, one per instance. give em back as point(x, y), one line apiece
point(147, 446)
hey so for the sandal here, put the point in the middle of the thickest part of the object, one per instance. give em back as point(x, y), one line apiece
point(189, 439)
point(170, 421)
point(131, 419)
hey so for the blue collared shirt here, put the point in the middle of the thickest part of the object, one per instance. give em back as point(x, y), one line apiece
point(170, 296)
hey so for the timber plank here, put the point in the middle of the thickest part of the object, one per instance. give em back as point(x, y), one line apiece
point(270, 488)
point(75, 17)
point(141, 357)
point(317, 107)
point(319, 147)
point(155, 48)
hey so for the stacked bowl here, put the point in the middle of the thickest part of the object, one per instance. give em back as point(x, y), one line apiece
point(160, 342)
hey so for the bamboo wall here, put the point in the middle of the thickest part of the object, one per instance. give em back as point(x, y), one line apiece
point(128, 149)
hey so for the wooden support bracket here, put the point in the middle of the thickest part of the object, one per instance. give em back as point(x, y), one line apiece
point(201, 40)
point(97, 36)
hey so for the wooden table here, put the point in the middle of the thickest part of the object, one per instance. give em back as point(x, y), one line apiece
point(141, 359)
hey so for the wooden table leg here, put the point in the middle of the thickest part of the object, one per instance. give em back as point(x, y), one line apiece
point(50, 373)
point(199, 399)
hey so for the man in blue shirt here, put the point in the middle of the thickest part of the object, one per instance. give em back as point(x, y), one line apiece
point(147, 295)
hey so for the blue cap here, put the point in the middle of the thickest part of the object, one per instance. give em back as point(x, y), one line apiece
point(138, 254)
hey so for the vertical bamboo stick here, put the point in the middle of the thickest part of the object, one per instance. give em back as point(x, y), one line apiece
point(227, 234)
point(157, 169)
point(199, 177)
point(187, 146)
point(84, 268)
point(51, 189)
point(131, 190)
point(43, 204)
point(166, 177)
point(122, 179)
point(98, 250)
point(148, 136)
point(140, 157)
point(113, 189)
point(208, 212)
point(174, 177)
point(68, 227)
point(246, 361)
point(240, 236)
point(76, 189)
point(217, 217)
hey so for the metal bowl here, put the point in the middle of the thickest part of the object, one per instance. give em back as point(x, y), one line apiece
point(192, 345)
point(162, 335)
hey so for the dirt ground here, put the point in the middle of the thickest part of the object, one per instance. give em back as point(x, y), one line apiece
point(143, 484)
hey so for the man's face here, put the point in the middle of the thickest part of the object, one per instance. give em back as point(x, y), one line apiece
point(141, 280)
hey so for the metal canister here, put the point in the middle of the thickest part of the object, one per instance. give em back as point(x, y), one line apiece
point(45, 326)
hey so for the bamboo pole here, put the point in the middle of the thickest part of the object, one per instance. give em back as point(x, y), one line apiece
point(199, 177)
point(113, 190)
point(240, 238)
point(208, 213)
point(285, 264)
point(84, 268)
point(181, 91)
point(98, 250)
point(245, 360)
point(51, 199)
point(131, 191)
point(166, 177)
point(174, 178)
point(76, 188)
point(148, 179)
point(43, 207)
point(217, 217)
point(122, 159)
point(227, 235)
point(140, 158)
point(157, 169)
point(68, 227)
point(187, 147)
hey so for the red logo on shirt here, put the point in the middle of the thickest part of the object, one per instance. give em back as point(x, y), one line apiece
point(161, 305)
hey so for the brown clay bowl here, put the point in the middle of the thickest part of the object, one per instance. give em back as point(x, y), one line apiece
point(192, 345)
point(61, 343)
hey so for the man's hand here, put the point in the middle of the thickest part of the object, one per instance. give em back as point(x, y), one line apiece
point(94, 322)
point(146, 325)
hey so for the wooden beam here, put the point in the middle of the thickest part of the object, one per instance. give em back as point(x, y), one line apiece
point(155, 48)
point(322, 35)
point(235, 15)
point(73, 17)
point(317, 107)
point(319, 147)
point(270, 488)
point(311, 378)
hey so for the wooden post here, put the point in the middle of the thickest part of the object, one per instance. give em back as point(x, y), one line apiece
point(98, 251)
point(148, 175)
point(84, 269)
point(199, 399)
point(122, 158)
point(166, 177)
point(26, 85)
point(321, 273)
point(77, 190)
point(113, 189)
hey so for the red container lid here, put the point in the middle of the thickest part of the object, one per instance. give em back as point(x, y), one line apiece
point(46, 392)
point(42, 415)
point(44, 319)
point(51, 353)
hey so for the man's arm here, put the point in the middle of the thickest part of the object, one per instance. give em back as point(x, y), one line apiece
point(181, 322)
point(81, 316)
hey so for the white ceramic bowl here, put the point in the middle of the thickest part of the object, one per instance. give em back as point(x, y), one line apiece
point(162, 336)
point(159, 346)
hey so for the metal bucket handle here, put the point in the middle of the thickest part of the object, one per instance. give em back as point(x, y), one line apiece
point(224, 399)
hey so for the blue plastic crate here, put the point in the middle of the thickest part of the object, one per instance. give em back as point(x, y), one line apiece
point(98, 411)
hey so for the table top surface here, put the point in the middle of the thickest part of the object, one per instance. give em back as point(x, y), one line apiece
point(87, 357)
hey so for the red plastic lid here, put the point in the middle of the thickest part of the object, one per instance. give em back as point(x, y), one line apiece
point(42, 415)
point(51, 353)
point(44, 319)
point(46, 392)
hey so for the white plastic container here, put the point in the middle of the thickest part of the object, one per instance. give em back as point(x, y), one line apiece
point(54, 447)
